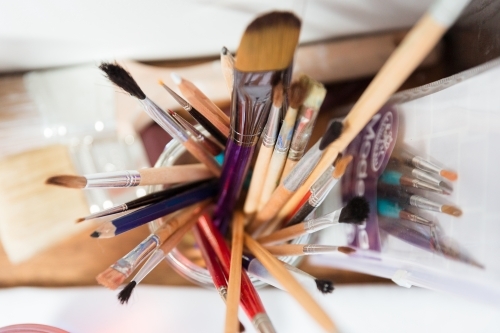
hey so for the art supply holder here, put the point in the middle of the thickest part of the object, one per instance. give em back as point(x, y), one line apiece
point(454, 123)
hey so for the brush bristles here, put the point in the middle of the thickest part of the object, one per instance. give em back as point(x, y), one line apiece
point(450, 210)
point(278, 95)
point(346, 249)
point(268, 43)
point(67, 181)
point(298, 92)
point(450, 175)
point(125, 293)
point(80, 219)
point(325, 286)
point(119, 76)
point(331, 134)
point(356, 211)
point(110, 278)
point(341, 166)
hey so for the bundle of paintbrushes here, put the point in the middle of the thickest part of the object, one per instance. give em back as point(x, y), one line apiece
point(271, 119)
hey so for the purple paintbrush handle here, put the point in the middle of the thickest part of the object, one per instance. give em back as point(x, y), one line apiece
point(235, 168)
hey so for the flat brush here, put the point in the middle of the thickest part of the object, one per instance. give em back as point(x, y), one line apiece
point(119, 76)
point(392, 177)
point(227, 64)
point(395, 164)
point(157, 257)
point(249, 300)
point(405, 198)
point(319, 191)
point(152, 212)
point(423, 164)
point(131, 178)
point(408, 55)
point(148, 199)
point(116, 274)
point(264, 55)
point(273, 171)
point(305, 249)
point(391, 209)
point(355, 212)
point(255, 268)
point(291, 285)
point(203, 104)
point(305, 124)
point(212, 146)
point(197, 115)
point(294, 179)
point(269, 136)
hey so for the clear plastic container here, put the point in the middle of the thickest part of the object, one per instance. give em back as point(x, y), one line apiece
point(175, 154)
point(31, 328)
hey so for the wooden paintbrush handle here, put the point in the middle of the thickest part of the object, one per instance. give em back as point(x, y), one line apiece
point(258, 177)
point(174, 174)
point(203, 156)
point(289, 164)
point(283, 234)
point(286, 249)
point(273, 175)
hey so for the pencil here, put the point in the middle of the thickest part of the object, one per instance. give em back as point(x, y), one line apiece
point(227, 63)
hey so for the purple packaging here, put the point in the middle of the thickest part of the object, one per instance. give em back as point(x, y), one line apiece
point(371, 150)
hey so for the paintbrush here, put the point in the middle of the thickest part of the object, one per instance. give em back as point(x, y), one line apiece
point(391, 209)
point(423, 164)
point(119, 76)
point(395, 164)
point(265, 53)
point(234, 283)
point(214, 268)
point(405, 197)
point(319, 191)
point(203, 104)
point(408, 55)
point(150, 213)
point(355, 212)
point(294, 179)
point(148, 199)
point(116, 274)
point(227, 64)
point(130, 178)
point(305, 124)
point(290, 284)
point(305, 249)
point(210, 145)
point(197, 115)
point(255, 268)
point(250, 300)
point(157, 257)
point(393, 177)
point(269, 136)
point(298, 92)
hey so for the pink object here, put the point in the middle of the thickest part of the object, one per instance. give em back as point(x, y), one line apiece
point(32, 328)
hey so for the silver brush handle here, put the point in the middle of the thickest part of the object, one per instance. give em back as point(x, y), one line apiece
point(319, 249)
point(302, 169)
point(126, 178)
point(129, 262)
point(322, 222)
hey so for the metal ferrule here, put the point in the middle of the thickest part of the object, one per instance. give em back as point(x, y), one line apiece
point(125, 178)
point(322, 222)
point(322, 187)
point(426, 186)
point(250, 105)
point(182, 102)
point(262, 323)
point(419, 162)
point(153, 261)
point(188, 126)
point(301, 137)
point(302, 169)
point(424, 203)
point(110, 211)
point(319, 249)
point(166, 121)
point(127, 264)
point(422, 175)
point(272, 127)
point(415, 218)
point(222, 293)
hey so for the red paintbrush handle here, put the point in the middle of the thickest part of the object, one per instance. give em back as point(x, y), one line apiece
point(250, 300)
point(211, 261)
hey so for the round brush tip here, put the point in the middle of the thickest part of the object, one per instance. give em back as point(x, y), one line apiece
point(125, 293)
point(80, 219)
point(450, 210)
point(450, 175)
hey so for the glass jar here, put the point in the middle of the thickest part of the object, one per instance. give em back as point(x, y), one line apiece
point(176, 154)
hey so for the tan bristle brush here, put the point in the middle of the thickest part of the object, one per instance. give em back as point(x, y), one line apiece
point(130, 178)
point(305, 249)
point(117, 273)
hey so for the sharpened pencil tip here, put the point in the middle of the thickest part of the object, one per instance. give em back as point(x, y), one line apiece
point(176, 78)
point(224, 50)
point(95, 234)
